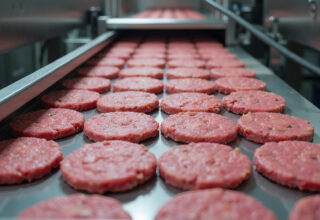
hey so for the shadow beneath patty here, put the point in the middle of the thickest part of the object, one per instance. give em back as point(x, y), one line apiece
point(37, 185)
point(278, 190)
point(141, 190)
point(123, 197)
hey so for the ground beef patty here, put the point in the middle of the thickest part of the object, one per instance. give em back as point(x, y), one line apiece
point(190, 127)
point(76, 206)
point(190, 85)
point(96, 84)
point(292, 163)
point(188, 63)
point(127, 126)
point(177, 55)
point(214, 204)
point(188, 73)
point(109, 166)
point(232, 72)
point(148, 55)
point(253, 101)
point(72, 99)
point(27, 158)
point(264, 127)
point(128, 101)
point(109, 72)
point(227, 85)
point(204, 165)
point(144, 84)
point(152, 72)
point(146, 63)
point(222, 63)
point(190, 102)
point(50, 123)
point(122, 55)
point(117, 62)
point(306, 208)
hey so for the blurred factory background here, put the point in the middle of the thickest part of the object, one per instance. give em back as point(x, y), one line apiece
point(37, 32)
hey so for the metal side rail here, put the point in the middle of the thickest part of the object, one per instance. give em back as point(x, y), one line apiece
point(22, 91)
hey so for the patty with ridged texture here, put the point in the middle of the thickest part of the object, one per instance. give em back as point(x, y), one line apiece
point(214, 204)
point(190, 85)
point(128, 101)
point(204, 165)
point(52, 123)
point(108, 72)
point(295, 164)
point(143, 84)
point(262, 127)
point(126, 126)
point(243, 102)
point(27, 159)
point(109, 166)
point(75, 99)
point(190, 102)
point(96, 84)
point(76, 206)
point(190, 127)
point(226, 85)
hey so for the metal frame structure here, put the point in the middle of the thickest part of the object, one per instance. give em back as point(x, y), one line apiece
point(19, 93)
point(26, 21)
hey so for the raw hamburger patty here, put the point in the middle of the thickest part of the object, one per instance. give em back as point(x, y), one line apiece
point(219, 63)
point(152, 72)
point(122, 50)
point(96, 84)
point(127, 126)
point(114, 54)
point(188, 73)
point(227, 85)
point(188, 63)
point(232, 72)
point(27, 158)
point(109, 72)
point(204, 165)
point(72, 99)
point(292, 163)
point(117, 62)
point(148, 55)
point(190, 127)
point(182, 55)
point(214, 204)
point(190, 102)
point(109, 166)
point(190, 85)
point(76, 206)
point(144, 84)
point(50, 123)
point(128, 101)
point(306, 209)
point(146, 62)
point(264, 127)
point(253, 101)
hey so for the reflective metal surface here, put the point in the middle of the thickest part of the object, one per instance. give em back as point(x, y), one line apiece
point(17, 94)
point(26, 21)
point(144, 201)
point(164, 23)
point(298, 20)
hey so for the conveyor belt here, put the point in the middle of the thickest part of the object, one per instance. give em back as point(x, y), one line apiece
point(144, 201)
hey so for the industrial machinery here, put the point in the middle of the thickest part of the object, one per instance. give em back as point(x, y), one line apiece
point(88, 26)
